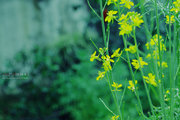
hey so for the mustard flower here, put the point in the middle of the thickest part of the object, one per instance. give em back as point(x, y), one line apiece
point(102, 50)
point(93, 56)
point(136, 64)
point(150, 79)
point(123, 18)
point(125, 29)
point(147, 45)
point(176, 7)
point(111, 1)
point(107, 66)
point(162, 47)
point(148, 55)
point(116, 86)
point(127, 3)
point(154, 41)
point(131, 49)
point(128, 21)
point(132, 85)
point(136, 19)
point(101, 75)
point(110, 16)
point(167, 92)
point(172, 20)
point(156, 54)
point(107, 58)
point(116, 53)
point(166, 96)
point(115, 117)
point(163, 64)
point(107, 62)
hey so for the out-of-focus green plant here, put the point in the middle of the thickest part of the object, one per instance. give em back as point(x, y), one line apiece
point(60, 85)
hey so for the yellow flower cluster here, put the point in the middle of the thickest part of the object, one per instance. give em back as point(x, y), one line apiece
point(150, 79)
point(132, 85)
point(105, 59)
point(176, 7)
point(172, 20)
point(110, 16)
point(111, 1)
point(138, 65)
point(131, 49)
point(93, 57)
point(153, 44)
point(115, 117)
point(116, 86)
point(127, 3)
point(101, 75)
point(128, 21)
point(167, 95)
point(163, 64)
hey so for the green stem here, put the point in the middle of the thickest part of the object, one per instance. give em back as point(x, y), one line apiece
point(171, 69)
point(114, 97)
point(161, 89)
point(102, 23)
point(142, 74)
point(147, 32)
point(133, 77)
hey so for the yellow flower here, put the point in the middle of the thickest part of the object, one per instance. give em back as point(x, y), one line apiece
point(128, 21)
point(93, 56)
point(107, 62)
point(102, 50)
point(147, 45)
point(107, 66)
point(116, 86)
point(163, 64)
point(107, 58)
point(150, 79)
point(155, 54)
point(123, 18)
point(136, 64)
point(115, 117)
point(116, 53)
point(166, 96)
point(131, 49)
point(101, 75)
point(136, 19)
point(154, 43)
point(176, 7)
point(148, 55)
point(110, 16)
point(162, 75)
point(172, 20)
point(111, 1)
point(132, 85)
point(125, 29)
point(167, 92)
point(127, 3)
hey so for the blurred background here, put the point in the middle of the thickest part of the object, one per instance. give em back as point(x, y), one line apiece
point(45, 72)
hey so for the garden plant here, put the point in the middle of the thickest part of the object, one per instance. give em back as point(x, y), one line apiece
point(158, 63)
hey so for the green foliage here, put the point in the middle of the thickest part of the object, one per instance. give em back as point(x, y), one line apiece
point(61, 85)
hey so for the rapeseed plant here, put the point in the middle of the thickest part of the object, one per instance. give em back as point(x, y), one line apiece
point(154, 58)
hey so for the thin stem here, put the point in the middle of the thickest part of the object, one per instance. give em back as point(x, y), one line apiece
point(93, 9)
point(106, 106)
point(102, 23)
point(142, 74)
point(133, 77)
point(114, 97)
point(160, 56)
